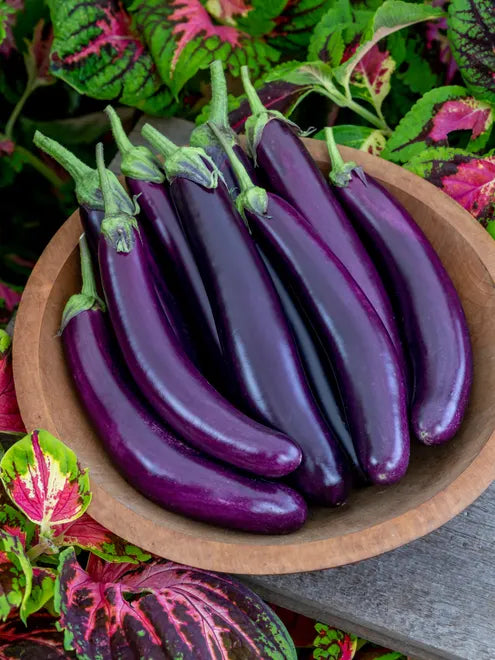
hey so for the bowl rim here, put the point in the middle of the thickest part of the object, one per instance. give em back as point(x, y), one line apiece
point(263, 557)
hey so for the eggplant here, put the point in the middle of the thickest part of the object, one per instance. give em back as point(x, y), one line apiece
point(361, 352)
point(177, 391)
point(174, 260)
point(425, 298)
point(204, 137)
point(292, 173)
point(147, 454)
point(255, 337)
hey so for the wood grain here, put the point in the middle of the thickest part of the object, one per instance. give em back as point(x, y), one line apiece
point(440, 483)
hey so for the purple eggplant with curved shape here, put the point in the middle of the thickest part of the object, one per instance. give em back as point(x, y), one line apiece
point(145, 452)
point(255, 337)
point(427, 303)
point(173, 386)
point(292, 173)
point(369, 374)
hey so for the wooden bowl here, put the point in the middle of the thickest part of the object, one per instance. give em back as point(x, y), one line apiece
point(441, 481)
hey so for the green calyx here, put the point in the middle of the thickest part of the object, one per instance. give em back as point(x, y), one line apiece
point(118, 226)
point(260, 116)
point(251, 198)
point(187, 162)
point(202, 136)
point(341, 172)
point(138, 162)
point(88, 298)
point(86, 179)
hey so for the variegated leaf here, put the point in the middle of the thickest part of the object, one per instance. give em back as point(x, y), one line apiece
point(96, 51)
point(43, 478)
point(15, 575)
point(433, 117)
point(333, 644)
point(164, 609)
point(364, 138)
point(88, 534)
point(467, 178)
point(10, 417)
point(14, 522)
point(42, 586)
point(294, 26)
point(39, 641)
point(371, 76)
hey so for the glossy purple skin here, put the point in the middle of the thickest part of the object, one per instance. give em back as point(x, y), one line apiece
point(293, 174)
point(256, 340)
point(317, 368)
point(152, 459)
point(177, 267)
point(361, 352)
point(427, 303)
point(173, 386)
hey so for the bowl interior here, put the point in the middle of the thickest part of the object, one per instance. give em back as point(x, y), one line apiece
point(432, 470)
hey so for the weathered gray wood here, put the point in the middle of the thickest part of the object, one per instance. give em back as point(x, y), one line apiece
point(433, 599)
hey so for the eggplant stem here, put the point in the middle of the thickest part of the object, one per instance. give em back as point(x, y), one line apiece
point(159, 141)
point(78, 170)
point(254, 100)
point(341, 172)
point(120, 136)
point(87, 273)
point(111, 206)
point(219, 103)
point(43, 169)
point(243, 178)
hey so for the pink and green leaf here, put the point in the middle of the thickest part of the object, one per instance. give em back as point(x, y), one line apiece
point(371, 76)
point(87, 534)
point(15, 575)
point(163, 609)
point(39, 641)
point(14, 522)
point(437, 114)
point(96, 51)
point(10, 417)
point(226, 11)
point(295, 25)
point(467, 178)
point(333, 643)
point(43, 478)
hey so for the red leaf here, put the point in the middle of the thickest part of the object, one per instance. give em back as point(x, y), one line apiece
point(40, 641)
point(473, 185)
point(225, 10)
point(10, 296)
point(461, 114)
point(373, 68)
point(10, 417)
point(6, 148)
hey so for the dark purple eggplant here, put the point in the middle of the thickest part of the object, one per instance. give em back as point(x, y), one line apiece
point(425, 298)
point(292, 173)
point(173, 386)
point(204, 138)
point(370, 377)
point(149, 456)
point(174, 260)
point(255, 337)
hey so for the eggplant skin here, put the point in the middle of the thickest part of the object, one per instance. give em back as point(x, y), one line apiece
point(425, 298)
point(152, 459)
point(176, 390)
point(358, 346)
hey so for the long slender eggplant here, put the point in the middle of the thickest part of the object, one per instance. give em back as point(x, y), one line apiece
point(161, 225)
point(292, 174)
point(363, 356)
point(204, 137)
point(173, 386)
point(146, 453)
point(425, 298)
point(255, 337)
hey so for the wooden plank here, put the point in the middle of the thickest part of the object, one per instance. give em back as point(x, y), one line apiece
point(432, 599)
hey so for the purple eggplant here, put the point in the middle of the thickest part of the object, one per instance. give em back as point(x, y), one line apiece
point(256, 339)
point(426, 301)
point(174, 261)
point(149, 456)
point(204, 137)
point(173, 386)
point(369, 374)
point(291, 173)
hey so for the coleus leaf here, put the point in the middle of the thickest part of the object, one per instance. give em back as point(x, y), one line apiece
point(9, 295)
point(15, 575)
point(43, 478)
point(429, 122)
point(42, 588)
point(163, 610)
point(10, 418)
point(8, 16)
point(467, 178)
point(226, 11)
point(14, 522)
point(437, 41)
point(88, 534)
point(337, 28)
point(391, 16)
point(96, 52)
point(40, 641)
point(471, 32)
point(371, 76)
point(333, 643)
point(294, 26)
point(261, 17)
point(364, 138)
point(183, 38)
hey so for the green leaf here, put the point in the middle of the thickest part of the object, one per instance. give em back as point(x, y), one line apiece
point(364, 138)
point(6, 11)
point(471, 32)
point(15, 575)
point(183, 39)
point(336, 29)
point(96, 52)
point(302, 73)
point(294, 27)
point(42, 587)
point(433, 117)
point(43, 478)
point(260, 19)
point(391, 16)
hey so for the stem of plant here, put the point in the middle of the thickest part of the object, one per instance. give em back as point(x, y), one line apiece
point(39, 549)
point(33, 160)
point(334, 95)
